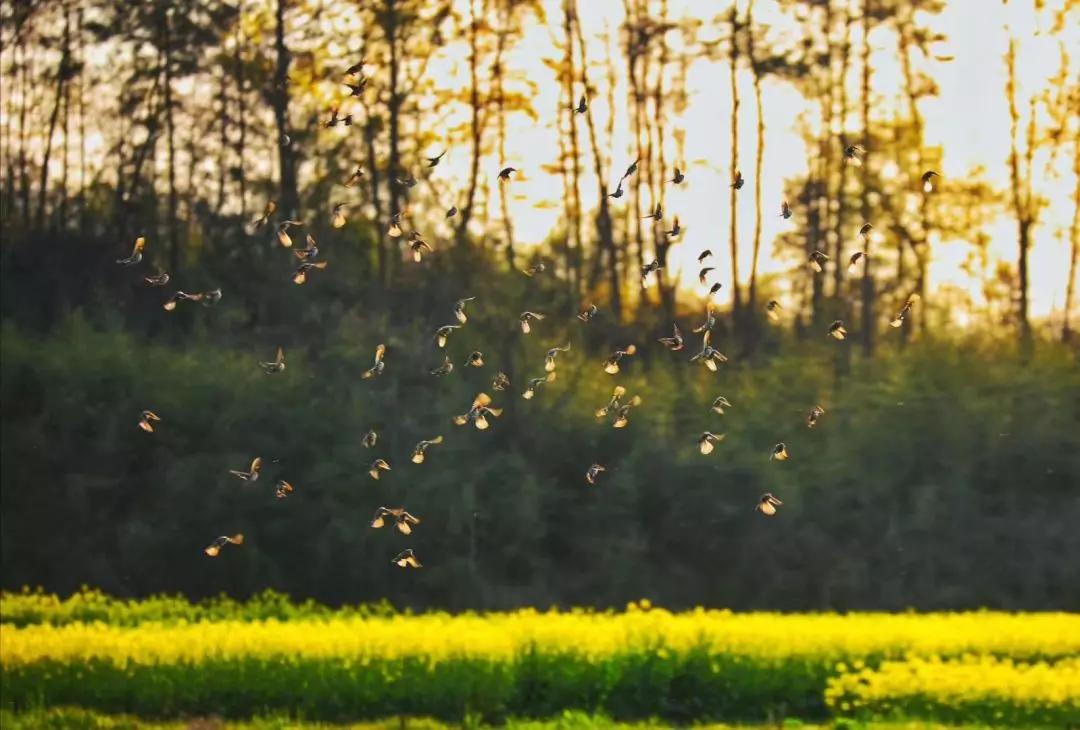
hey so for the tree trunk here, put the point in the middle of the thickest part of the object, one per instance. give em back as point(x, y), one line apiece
point(61, 82)
point(1020, 209)
point(500, 111)
point(241, 111)
point(867, 293)
point(666, 286)
point(288, 195)
point(170, 141)
point(736, 304)
point(603, 215)
point(921, 244)
point(1074, 248)
point(573, 221)
point(759, 156)
point(841, 193)
point(475, 129)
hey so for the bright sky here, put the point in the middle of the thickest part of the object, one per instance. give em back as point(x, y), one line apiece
point(970, 120)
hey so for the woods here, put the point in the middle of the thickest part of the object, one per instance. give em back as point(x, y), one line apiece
point(944, 466)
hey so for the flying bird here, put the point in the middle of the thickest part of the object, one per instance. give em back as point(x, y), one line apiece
point(614, 403)
point(720, 404)
point(899, 318)
point(379, 365)
point(476, 359)
point(715, 288)
point(252, 474)
point(406, 182)
point(369, 439)
point(812, 417)
point(377, 466)
point(708, 324)
point(709, 356)
point(618, 191)
point(501, 381)
point(649, 269)
point(525, 318)
point(853, 262)
point(356, 176)
point(180, 296)
point(630, 170)
point(611, 365)
point(818, 260)
point(337, 215)
point(738, 181)
point(593, 473)
point(479, 411)
point(356, 89)
point(433, 161)
point(708, 440)
point(300, 275)
point(676, 229)
point(534, 269)
point(419, 246)
point(779, 452)
point(459, 309)
point(268, 211)
point(406, 559)
point(356, 68)
point(418, 453)
point(504, 174)
point(549, 358)
point(403, 521)
point(853, 154)
point(534, 384)
point(785, 210)
point(394, 229)
point(282, 489)
point(622, 413)
point(657, 214)
point(864, 231)
point(837, 330)
point(451, 213)
point(443, 333)
point(704, 255)
point(283, 232)
point(277, 366)
point(446, 368)
point(147, 419)
point(219, 542)
point(309, 252)
point(136, 253)
point(767, 504)
point(157, 279)
point(587, 314)
point(679, 177)
point(582, 105)
point(335, 120)
point(928, 181)
point(675, 342)
point(772, 310)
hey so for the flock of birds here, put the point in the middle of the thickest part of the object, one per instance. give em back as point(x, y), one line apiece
point(617, 409)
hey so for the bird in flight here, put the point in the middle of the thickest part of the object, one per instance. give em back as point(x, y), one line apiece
point(709, 355)
point(611, 365)
point(772, 310)
point(812, 417)
point(618, 191)
point(475, 360)
point(277, 366)
point(708, 324)
point(451, 212)
point(419, 246)
point(283, 232)
point(549, 358)
point(589, 313)
point(282, 489)
point(446, 368)
point(767, 504)
point(630, 170)
point(147, 419)
point(649, 269)
point(268, 211)
point(300, 275)
point(136, 253)
point(309, 252)
point(369, 439)
point(501, 381)
point(675, 342)
point(818, 260)
point(676, 229)
point(337, 215)
point(837, 330)
point(443, 333)
point(379, 365)
point(506, 172)
point(252, 474)
point(534, 269)
point(459, 309)
point(593, 473)
point(779, 452)
point(785, 210)
point(720, 404)
point(679, 177)
point(377, 466)
point(928, 181)
point(219, 542)
point(525, 319)
point(704, 273)
point(406, 559)
point(582, 105)
point(534, 384)
point(738, 181)
point(433, 161)
point(335, 120)
point(708, 440)
point(899, 318)
point(622, 413)
point(418, 453)
point(403, 521)
point(157, 279)
point(853, 154)
point(657, 214)
point(356, 176)
point(478, 412)
point(853, 262)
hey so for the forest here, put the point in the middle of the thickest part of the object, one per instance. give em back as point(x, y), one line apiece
point(791, 139)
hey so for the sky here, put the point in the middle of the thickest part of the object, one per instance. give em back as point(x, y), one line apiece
point(969, 119)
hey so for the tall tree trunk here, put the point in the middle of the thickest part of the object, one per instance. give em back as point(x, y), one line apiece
point(736, 304)
point(841, 193)
point(170, 140)
point(867, 289)
point(499, 77)
point(241, 111)
point(82, 117)
point(475, 128)
point(223, 141)
point(573, 221)
point(1074, 248)
point(390, 31)
point(921, 244)
point(24, 105)
point(759, 156)
point(1019, 200)
point(666, 286)
point(61, 81)
point(288, 195)
point(603, 215)
point(634, 53)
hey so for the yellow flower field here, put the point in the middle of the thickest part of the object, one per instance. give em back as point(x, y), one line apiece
point(700, 664)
